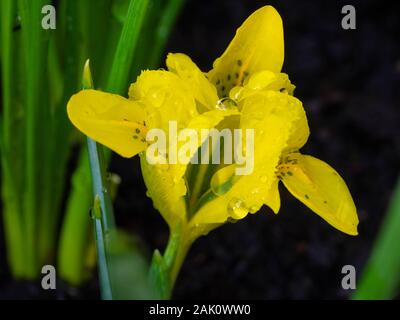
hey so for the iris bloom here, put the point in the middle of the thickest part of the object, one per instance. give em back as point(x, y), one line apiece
point(245, 89)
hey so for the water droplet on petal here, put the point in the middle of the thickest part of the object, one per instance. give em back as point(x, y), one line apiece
point(237, 209)
point(226, 104)
point(264, 179)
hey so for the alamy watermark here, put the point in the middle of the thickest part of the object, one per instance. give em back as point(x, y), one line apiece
point(349, 20)
point(49, 279)
point(237, 147)
point(49, 19)
point(349, 280)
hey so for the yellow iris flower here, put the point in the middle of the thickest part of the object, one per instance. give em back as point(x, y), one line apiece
point(246, 90)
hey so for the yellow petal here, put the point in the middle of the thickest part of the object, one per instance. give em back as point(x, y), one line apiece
point(272, 103)
point(204, 92)
point(267, 80)
point(258, 45)
point(165, 97)
point(321, 188)
point(263, 81)
point(112, 120)
point(166, 192)
point(273, 116)
point(272, 198)
point(165, 183)
point(206, 120)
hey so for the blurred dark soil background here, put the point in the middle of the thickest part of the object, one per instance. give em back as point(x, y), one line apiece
point(349, 82)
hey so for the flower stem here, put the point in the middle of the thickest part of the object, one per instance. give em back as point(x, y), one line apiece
point(164, 269)
point(176, 265)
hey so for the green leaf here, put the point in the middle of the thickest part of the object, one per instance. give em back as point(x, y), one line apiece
point(34, 47)
point(381, 275)
point(117, 82)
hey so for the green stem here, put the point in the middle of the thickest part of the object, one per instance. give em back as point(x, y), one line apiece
point(164, 269)
point(179, 254)
point(103, 211)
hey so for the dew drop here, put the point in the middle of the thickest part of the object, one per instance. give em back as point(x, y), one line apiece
point(237, 209)
point(226, 104)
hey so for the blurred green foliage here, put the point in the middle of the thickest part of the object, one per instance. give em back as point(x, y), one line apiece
point(45, 176)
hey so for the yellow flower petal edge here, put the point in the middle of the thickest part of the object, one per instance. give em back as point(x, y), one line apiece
point(320, 187)
point(274, 116)
point(204, 92)
point(165, 97)
point(166, 184)
point(112, 120)
point(258, 45)
point(166, 192)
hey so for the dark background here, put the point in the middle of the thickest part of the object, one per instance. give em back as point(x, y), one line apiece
point(349, 82)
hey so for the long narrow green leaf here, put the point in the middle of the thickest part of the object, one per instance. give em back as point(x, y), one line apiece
point(75, 232)
point(57, 152)
point(34, 43)
point(121, 67)
point(10, 190)
point(381, 276)
point(164, 28)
